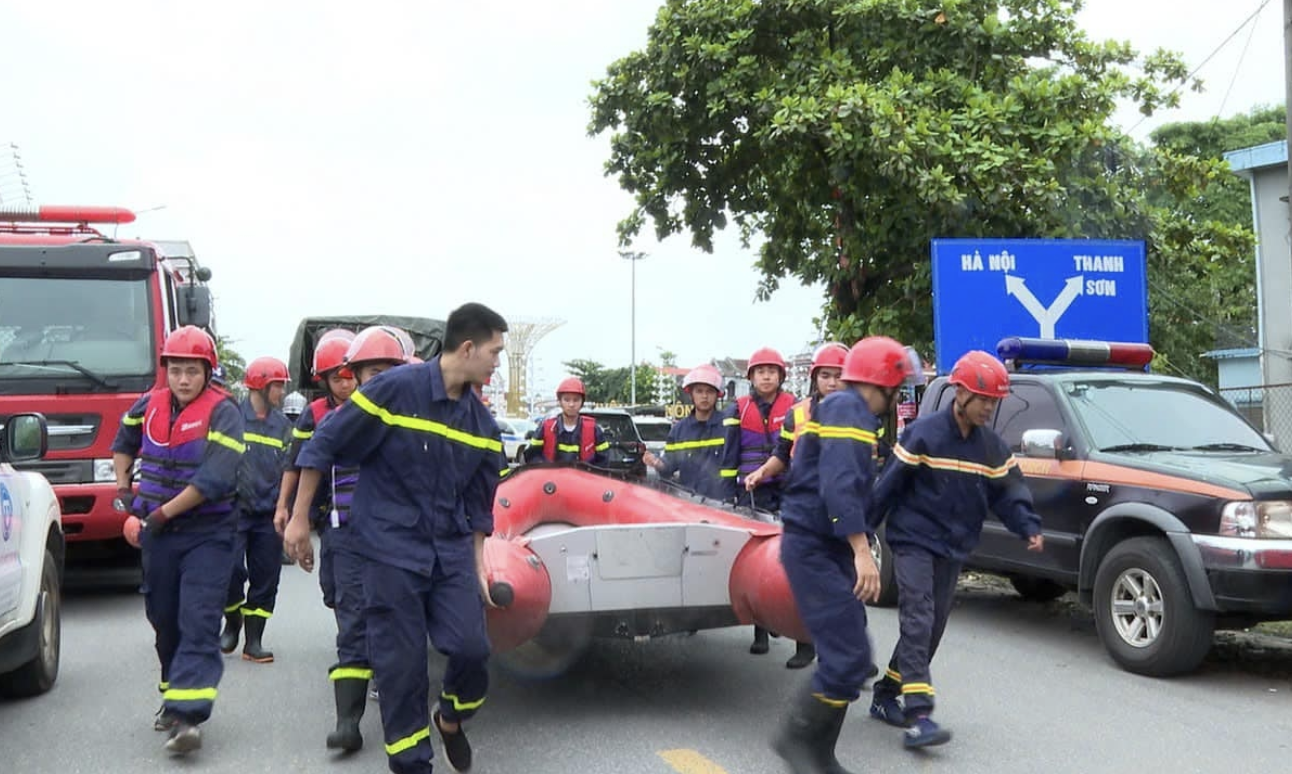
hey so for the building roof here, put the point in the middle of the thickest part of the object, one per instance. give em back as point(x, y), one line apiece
point(1271, 154)
point(1231, 354)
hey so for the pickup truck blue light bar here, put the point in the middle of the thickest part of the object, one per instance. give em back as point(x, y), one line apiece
point(1074, 352)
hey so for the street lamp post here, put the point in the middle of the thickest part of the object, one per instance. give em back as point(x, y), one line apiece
point(633, 258)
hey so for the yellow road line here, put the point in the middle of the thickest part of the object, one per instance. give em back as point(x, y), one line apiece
point(690, 762)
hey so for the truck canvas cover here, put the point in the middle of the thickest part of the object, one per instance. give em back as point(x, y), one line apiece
point(428, 337)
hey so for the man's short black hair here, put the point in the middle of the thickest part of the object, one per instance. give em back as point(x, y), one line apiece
point(472, 322)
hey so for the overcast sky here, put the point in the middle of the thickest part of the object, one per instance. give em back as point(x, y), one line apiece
point(405, 157)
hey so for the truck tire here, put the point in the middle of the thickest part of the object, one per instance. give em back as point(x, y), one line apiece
point(1144, 611)
point(887, 580)
point(1036, 589)
point(38, 675)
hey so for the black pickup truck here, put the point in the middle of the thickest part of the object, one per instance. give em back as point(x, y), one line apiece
point(1162, 507)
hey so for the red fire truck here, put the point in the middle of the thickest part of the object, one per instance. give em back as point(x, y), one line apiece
point(82, 319)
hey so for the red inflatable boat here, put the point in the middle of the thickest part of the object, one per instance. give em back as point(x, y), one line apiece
point(579, 550)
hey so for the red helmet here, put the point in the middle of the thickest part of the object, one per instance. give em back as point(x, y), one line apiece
point(329, 353)
point(571, 385)
point(377, 344)
point(877, 360)
point(190, 343)
point(703, 374)
point(831, 354)
point(264, 371)
point(980, 373)
point(765, 356)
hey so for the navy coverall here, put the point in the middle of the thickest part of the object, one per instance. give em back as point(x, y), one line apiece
point(256, 541)
point(568, 443)
point(698, 453)
point(828, 498)
point(937, 489)
point(187, 564)
point(302, 431)
point(430, 465)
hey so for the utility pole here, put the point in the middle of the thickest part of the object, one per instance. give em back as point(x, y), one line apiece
point(632, 371)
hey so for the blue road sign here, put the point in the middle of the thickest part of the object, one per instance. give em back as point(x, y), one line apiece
point(987, 289)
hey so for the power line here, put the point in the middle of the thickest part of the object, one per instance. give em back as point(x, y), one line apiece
point(1210, 56)
point(1238, 67)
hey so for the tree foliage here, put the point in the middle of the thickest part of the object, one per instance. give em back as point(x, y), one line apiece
point(843, 135)
point(612, 385)
point(235, 366)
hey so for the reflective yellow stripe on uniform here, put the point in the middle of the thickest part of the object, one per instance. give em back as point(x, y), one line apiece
point(349, 673)
point(462, 706)
point(162, 687)
point(226, 441)
point(263, 440)
point(410, 741)
point(234, 607)
point(572, 448)
point(130, 421)
point(728, 472)
point(536, 442)
point(893, 674)
point(821, 697)
point(954, 465)
point(302, 434)
point(604, 445)
point(504, 472)
point(731, 422)
point(686, 445)
point(189, 694)
point(424, 425)
point(921, 688)
point(256, 612)
point(834, 431)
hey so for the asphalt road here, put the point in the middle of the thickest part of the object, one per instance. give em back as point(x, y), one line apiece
point(1025, 687)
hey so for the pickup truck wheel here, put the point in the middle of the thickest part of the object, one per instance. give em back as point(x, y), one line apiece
point(887, 582)
point(1037, 589)
point(38, 675)
point(1144, 610)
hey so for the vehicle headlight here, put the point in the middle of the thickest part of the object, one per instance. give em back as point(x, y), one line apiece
point(103, 472)
point(1257, 519)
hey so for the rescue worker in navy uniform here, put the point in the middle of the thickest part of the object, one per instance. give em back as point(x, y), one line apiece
point(568, 436)
point(189, 441)
point(293, 405)
point(825, 376)
point(256, 542)
point(328, 369)
point(947, 472)
point(696, 449)
point(373, 351)
point(431, 456)
point(753, 427)
point(825, 548)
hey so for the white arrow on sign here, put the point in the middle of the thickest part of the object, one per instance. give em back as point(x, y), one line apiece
point(1045, 317)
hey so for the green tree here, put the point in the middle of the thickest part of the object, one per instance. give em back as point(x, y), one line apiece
point(596, 379)
point(845, 134)
point(234, 364)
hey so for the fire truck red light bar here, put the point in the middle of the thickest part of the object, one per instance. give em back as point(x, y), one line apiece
point(53, 213)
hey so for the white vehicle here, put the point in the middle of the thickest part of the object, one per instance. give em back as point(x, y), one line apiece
point(515, 437)
point(654, 432)
point(31, 563)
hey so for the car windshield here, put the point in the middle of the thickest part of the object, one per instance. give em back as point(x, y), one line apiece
point(618, 429)
point(1154, 416)
point(104, 333)
point(653, 431)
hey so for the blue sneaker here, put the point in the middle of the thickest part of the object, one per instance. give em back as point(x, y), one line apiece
point(890, 711)
point(923, 732)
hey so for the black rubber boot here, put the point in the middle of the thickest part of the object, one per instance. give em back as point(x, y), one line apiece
point(760, 645)
point(807, 740)
point(253, 651)
point(803, 656)
point(232, 628)
point(351, 698)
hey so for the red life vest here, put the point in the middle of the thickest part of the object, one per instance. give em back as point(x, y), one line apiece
point(192, 424)
point(802, 413)
point(758, 438)
point(587, 438)
point(319, 408)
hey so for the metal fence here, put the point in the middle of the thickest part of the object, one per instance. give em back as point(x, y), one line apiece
point(1268, 406)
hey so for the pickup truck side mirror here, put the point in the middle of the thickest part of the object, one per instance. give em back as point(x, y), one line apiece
point(26, 437)
point(1043, 444)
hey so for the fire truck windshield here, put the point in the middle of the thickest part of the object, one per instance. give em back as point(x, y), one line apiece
point(82, 334)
